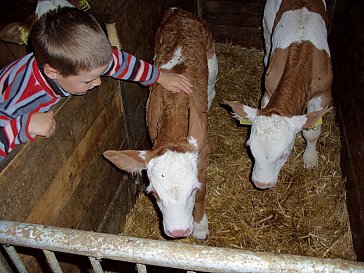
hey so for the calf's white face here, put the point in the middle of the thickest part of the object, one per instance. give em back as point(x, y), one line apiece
point(173, 178)
point(173, 181)
point(271, 141)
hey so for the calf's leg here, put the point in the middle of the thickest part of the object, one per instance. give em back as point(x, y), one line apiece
point(200, 221)
point(310, 156)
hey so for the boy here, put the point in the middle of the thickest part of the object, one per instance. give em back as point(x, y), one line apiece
point(71, 52)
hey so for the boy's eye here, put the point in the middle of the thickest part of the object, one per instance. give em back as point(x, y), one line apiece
point(90, 81)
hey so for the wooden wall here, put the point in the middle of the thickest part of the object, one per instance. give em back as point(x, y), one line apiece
point(347, 49)
point(235, 21)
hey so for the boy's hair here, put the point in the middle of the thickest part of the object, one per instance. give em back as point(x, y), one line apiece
point(70, 40)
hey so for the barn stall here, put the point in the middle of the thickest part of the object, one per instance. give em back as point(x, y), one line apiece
point(310, 218)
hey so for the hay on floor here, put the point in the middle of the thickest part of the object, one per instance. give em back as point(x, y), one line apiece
point(305, 214)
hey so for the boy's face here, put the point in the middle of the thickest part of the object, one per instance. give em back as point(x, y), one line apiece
point(77, 84)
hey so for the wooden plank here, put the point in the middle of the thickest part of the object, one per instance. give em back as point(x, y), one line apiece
point(25, 178)
point(346, 45)
point(242, 8)
point(69, 176)
point(92, 182)
point(233, 20)
point(113, 214)
point(97, 189)
point(141, 45)
point(108, 216)
point(124, 199)
point(187, 5)
point(247, 37)
point(134, 101)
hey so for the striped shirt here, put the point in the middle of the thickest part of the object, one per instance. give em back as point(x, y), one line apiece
point(25, 90)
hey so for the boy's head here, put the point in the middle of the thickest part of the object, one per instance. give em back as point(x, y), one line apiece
point(72, 48)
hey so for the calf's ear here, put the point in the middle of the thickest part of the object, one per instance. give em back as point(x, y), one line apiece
point(307, 121)
point(242, 111)
point(131, 161)
point(313, 117)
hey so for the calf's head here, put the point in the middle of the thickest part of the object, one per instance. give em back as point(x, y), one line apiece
point(271, 139)
point(173, 178)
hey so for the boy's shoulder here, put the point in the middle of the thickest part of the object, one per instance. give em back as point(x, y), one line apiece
point(22, 63)
point(26, 59)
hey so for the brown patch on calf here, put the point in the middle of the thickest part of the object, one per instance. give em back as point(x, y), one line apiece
point(296, 75)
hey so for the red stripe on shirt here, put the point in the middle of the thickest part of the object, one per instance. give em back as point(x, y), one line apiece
point(145, 72)
point(126, 68)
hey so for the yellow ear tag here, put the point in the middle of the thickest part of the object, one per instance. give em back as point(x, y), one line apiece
point(84, 5)
point(245, 121)
point(24, 35)
point(317, 123)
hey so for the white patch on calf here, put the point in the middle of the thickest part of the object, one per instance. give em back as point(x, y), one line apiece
point(213, 70)
point(314, 104)
point(45, 6)
point(271, 141)
point(300, 25)
point(142, 154)
point(173, 176)
point(176, 59)
point(270, 10)
point(191, 140)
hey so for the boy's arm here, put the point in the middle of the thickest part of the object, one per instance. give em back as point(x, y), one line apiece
point(125, 66)
point(25, 128)
point(21, 98)
point(13, 132)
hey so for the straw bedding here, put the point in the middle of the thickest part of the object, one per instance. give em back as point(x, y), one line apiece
point(305, 214)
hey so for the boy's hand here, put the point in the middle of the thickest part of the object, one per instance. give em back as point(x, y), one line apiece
point(175, 82)
point(42, 124)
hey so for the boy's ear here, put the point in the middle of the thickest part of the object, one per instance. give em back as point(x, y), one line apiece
point(51, 72)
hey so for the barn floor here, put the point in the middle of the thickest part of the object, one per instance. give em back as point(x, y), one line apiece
point(305, 214)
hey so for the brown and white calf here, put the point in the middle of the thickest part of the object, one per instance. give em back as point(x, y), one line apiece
point(177, 123)
point(298, 86)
